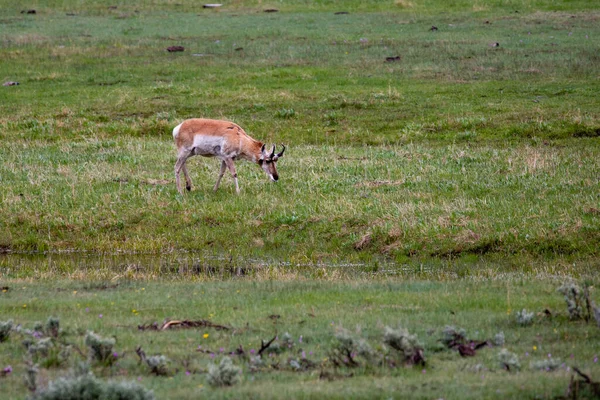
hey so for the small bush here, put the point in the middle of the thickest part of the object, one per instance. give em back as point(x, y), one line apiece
point(344, 349)
point(508, 360)
point(224, 374)
point(53, 327)
point(345, 341)
point(47, 353)
point(38, 327)
point(408, 345)
point(574, 298)
point(276, 348)
point(100, 349)
point(364, 349)
point(452, 336)
point(550, 364)
point(158, 365)
point(256, 363)
point(88, 387)
point(295, 365)
point(499, 339)
point(524, 317)
point(41, 348)
point(347, 349)
point(287, 341)
point(31, 378)
point(5, 329)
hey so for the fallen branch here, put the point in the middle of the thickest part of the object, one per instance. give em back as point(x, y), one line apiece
point(141, 354)
point(585, 377)
point(584, 389)
point(264, 346)
point(186, 323)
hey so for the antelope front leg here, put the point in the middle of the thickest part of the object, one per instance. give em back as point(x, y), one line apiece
point(223, 167)
point(231, 167)
point(178, 166)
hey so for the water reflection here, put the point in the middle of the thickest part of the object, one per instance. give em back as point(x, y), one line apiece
point(39, 265)
point(183, 266)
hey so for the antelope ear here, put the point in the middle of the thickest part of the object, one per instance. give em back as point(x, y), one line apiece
point(262, 149)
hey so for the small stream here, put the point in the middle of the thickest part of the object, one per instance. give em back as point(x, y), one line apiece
point(201, 266)
point(178, 265)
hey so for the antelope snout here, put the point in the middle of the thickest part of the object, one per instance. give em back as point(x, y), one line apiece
point(274, 178)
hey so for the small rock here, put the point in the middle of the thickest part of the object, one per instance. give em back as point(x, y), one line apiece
point(213, 5)
point(172, 49)
point(271, 10)
point(392, 59)
point(495, 44)
point(29, 12)
point(341, 13)
point(433, 28)
point(10, 83)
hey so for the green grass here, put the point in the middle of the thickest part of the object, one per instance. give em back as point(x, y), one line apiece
point(315, 311)
point(117, 194)
point(453, 186)
point(97, 74)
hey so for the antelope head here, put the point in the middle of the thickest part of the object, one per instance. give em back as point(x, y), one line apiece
point(268, 160)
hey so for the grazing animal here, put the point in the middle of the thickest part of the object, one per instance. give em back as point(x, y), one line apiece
point(226, 141)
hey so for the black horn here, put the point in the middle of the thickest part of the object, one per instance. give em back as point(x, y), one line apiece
point(281, 153)
point(272, 152)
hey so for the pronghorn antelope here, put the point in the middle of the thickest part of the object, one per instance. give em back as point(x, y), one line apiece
point(224, 140)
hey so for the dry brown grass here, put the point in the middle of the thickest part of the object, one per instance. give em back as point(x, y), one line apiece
point(404, 3)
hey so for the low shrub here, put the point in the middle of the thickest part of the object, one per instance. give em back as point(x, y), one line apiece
point(508, 360)
point(89, 387)
point(224, 374)
point(549, 364)
point(574, 297)
point(158, 365)
point(524, 317)
point(406, 344)
point(100, 349)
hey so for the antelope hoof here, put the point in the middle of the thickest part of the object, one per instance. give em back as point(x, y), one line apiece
point(188, 188)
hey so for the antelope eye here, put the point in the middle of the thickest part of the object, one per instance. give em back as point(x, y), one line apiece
point(268, 161)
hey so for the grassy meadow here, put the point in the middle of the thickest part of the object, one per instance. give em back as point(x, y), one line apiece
point(442, 168)
point(311, 314)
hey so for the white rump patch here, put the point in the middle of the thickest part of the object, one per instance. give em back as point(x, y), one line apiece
point(176, 130)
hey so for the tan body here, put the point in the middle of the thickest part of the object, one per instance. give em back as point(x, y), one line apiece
point(222, 139)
